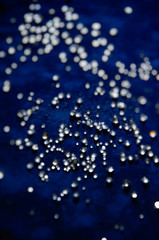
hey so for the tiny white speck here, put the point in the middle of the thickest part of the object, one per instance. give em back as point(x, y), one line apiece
point(128, 10)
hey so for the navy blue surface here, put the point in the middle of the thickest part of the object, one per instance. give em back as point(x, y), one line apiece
point(138, 34)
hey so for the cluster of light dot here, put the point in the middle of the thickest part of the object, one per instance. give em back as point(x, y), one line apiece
point(46, 36)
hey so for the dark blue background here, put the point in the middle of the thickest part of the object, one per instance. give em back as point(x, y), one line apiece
point(138, 34)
